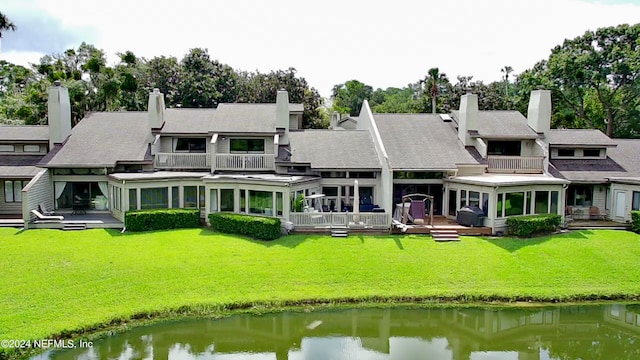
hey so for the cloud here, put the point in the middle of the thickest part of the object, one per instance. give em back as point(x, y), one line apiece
point(39, 32)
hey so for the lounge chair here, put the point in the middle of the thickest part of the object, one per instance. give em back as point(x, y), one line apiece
point(595, 212)
point(41, 217)
point(43, 209)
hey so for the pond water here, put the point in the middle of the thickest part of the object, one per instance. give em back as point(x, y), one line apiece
point(568, 332)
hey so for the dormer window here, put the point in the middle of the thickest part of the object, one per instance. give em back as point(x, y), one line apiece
point(508, 148)
point(566, 152)
point(195, 145)
point(591, 153)
point(249, 146)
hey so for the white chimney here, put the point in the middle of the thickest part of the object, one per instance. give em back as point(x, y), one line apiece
point(59, 111)
point(468, 117)
point(282, 115)
point(156, 109)
point(539, 112)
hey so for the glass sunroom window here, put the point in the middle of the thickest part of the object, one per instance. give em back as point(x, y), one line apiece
point(154, 198)
point(514, 203)
point(226, 200)
point(261, 202)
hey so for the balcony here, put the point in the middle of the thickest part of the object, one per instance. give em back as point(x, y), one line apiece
point(263, 162)
point(515, 164)
point(340, 219)
point(182, 161)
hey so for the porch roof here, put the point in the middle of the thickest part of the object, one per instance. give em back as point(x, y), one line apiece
point(329, 149)
point(273, 178)
point(627, 180)
point(18, 172)
point(158, 175)
point(508, 180)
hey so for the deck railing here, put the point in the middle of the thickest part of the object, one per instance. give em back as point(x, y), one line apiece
point(182, 161)
point(515, 164)
point(363, 220)
point(245, 162)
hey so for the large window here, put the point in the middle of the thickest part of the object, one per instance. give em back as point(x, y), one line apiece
point(542, 202)
point(580, 195)
point(226, 200)
point(13, 190)
point(453, 202)
point(261, 202)
point(279, 204)
point(154, 198)
point(513, 203)
point(635, 203)
point(566, 153)
point(509, 148)
point(197, 145)
point(133, 199)
point(247, 145)
point(175, 197)
point(190, 197)
point(213, 202)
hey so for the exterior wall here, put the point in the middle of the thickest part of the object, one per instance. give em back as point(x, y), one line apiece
point(529, 148)
point(295, 121)
point(224, 146)
point(628, 189)
point(600, 196)
point(471, 170)
point(481, 146)
point(166, 144)
point(367, 122)
point(9, 208)
point(38, 191)
point(19, 149)
point(578, 154)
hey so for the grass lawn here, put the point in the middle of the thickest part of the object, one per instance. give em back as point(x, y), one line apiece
point(52, 281)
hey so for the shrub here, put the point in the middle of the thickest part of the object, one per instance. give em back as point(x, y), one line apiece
point(259, 227)
point(524, 226)
point(635, 221)
point(161, 219)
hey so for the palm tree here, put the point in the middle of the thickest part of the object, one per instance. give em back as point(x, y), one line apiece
point(506, 70)
point(432, 84)
point(6, 24)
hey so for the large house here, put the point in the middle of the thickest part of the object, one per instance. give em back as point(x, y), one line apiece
point(256, 159)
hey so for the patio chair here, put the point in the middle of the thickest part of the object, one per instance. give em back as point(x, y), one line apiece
point(43, 209)
point(40, 217)
point(596, 213)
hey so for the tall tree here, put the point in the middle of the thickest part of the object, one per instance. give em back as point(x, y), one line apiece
point(6, 24)
point(433, 83)
point(506, 71)
point(206, 82)
point(348, 97)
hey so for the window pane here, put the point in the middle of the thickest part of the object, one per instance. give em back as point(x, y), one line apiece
point(514, 204)
point(527, 208)
point(214, 200)
point(463, 198)
point(499, 205)
point(190, 197)
point(226, 200)
point(279, 203)
point(8, 191)
point(261, 202)
point(566, 152)
point(182, 145)
point(542, 202)
point(175, 197)
point(452, 202)
point(591, 152)
point(239, 145)
point(474, 198)
point(256, 145)
point(201, 197)
point(243, 200)
point(554, 202)
point(198, 145)
point(17, 191)
point(485, 203)
point(31, 148)
point(635, 205)
point(154, 198)
point(330, 191)
point(133, 199)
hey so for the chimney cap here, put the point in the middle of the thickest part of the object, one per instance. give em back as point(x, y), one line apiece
point(57, 83)
point(468, 90)
point(156, 91)
point(540, 87)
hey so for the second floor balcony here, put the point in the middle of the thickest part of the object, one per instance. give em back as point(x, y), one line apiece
point(202, 161)
point(241, 162)
point(186, 161)
point(515, 164)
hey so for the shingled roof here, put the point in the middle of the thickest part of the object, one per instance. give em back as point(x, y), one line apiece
point(332, 149)
point(24, 133)
point(579, 137)
point(187, 121)
point(247, 118)
point(421, 142)
point(502, 124)
point(103, 139)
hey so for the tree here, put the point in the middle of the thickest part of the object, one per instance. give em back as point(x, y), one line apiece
point(205, 82)
point(506, 71)
point(348, 97)
point(165, 74)
point(6, 24)
point(433, 83)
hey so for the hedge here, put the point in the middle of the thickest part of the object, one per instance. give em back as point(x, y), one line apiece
point(635, 221)
point(258, 227)
point(524, 226)
point(161, 219)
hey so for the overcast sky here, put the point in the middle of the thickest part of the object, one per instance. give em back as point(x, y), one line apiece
point(381, 43)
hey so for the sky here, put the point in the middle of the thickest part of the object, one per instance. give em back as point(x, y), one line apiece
point(381, 43)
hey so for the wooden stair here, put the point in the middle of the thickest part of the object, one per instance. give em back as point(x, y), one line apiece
point(16, 223)
point(339, 231)
point(74, 226)
point(444, 235)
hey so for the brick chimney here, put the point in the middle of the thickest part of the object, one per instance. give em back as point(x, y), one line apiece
point(468, 120)
point(156, 109)
point(282, 115)
point(539, 111)
point(59, 113)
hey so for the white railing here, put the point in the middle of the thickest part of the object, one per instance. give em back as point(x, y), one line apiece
point(362, 220)
point(515, 164)
point(245, 162)
point(182, 161)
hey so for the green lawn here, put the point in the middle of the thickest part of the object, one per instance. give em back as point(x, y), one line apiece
point(52, 281)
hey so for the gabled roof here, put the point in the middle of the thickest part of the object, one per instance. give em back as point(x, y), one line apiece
point(18, 172)
point(187, 121)
point(247, 118)
point(621, 162)
point(24, 133)
point(331, 149)
point(103, 139)
point(579, 138)
point(421, 142)
point(502, 124)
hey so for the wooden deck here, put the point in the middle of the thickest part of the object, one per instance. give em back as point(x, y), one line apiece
point(442, 223)
point(597, 224)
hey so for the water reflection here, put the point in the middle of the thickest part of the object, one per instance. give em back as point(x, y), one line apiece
point(585, 332)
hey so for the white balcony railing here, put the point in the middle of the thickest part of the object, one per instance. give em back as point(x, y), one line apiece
point(362, 220)
point(245, 162)
point(515, 164)
point(182, 161)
